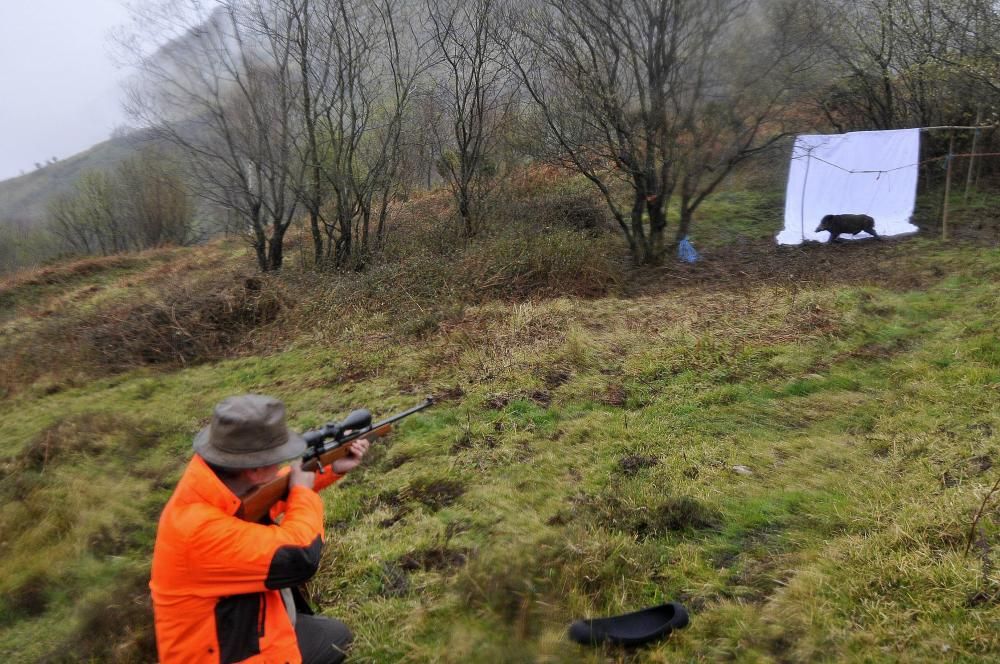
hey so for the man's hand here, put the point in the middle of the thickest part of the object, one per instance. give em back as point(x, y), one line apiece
point(348, 463)
point(299, 477)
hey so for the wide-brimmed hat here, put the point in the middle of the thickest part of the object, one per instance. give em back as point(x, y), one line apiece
point(248, 431)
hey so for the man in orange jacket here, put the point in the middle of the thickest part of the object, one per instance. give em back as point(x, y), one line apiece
point(221, 586)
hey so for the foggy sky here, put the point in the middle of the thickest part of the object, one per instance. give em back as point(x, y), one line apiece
point(59, 90)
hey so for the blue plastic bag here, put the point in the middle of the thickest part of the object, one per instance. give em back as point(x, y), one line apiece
point(686, 252)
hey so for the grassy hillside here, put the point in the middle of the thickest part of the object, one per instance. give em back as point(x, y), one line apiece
point(24, 199)
point(792, 442)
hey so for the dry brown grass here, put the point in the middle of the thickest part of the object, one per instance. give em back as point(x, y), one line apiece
point(63, 272)
point(173, 315)
point(187, 323)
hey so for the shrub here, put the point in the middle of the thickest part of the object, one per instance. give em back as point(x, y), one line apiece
point(558, 261)
point(187, 323)
point(181, 323)
point(580, 211)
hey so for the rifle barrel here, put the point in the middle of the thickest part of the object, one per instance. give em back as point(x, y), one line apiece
point(361, 433)
point(254, 505)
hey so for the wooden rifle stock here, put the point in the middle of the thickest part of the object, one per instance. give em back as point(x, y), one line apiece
point(257, 503)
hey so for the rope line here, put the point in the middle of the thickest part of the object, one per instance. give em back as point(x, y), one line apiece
point(898, 168)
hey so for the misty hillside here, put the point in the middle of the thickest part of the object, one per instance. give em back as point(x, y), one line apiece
point(23, 199)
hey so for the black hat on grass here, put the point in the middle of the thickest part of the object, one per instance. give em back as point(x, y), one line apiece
point(631, 629)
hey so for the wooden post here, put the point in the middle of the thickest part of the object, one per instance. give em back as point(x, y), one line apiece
point(972, 153)
point(802, 207)
point(947, 188)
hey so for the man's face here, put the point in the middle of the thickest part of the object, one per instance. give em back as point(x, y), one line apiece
point(263, 475)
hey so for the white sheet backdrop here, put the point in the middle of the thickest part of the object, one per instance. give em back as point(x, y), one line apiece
point(821, 162)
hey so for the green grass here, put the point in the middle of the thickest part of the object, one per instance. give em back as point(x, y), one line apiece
point(585, 466)
point(735, 216)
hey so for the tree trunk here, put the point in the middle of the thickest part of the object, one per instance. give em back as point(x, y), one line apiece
point(383, 212)
point(275, 252)
point(259, 238)
point(302, 40)
point(657, 226)
point(465, 212)
point(317, 237)
point(888, 111)
point(259, 247)
point(685, 222)
point(641, 243)
point(344, 248)
point(366, 218)
point(331, 245)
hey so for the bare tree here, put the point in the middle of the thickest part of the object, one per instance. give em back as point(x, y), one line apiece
point(902, 63)
point(88, 221)
point(222, 90)
point(152, 196)
point(966, 34)
point(374, 67)
point(70, 226)
point(312, 58)
point(642, 92)
point(23, 244)
point(143, 203)
point(420, 150)
point(475, 93)
point(865, 39)
point(738, 99)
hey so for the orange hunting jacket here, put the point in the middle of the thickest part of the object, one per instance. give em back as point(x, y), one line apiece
point(216, 579)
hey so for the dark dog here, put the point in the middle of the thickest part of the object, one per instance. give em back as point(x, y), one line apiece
point(853, 224)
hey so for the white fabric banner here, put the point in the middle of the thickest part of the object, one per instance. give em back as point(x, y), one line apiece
point(824, 179)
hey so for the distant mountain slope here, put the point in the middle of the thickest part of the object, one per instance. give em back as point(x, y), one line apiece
point(24, 199)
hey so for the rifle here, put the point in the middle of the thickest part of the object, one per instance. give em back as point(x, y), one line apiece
point(257, 502)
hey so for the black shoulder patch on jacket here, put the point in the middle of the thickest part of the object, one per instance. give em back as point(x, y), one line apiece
point(239, 626)
point(292, 565)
